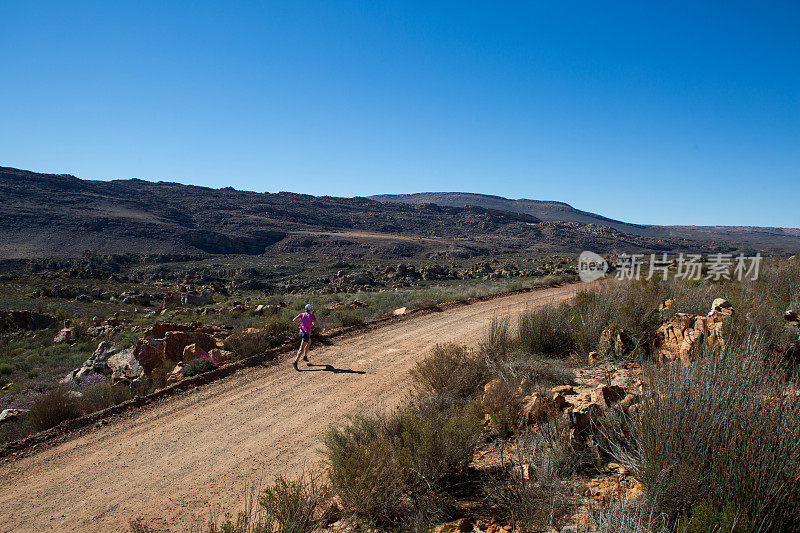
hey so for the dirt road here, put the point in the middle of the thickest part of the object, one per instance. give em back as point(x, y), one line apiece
point(191, 454)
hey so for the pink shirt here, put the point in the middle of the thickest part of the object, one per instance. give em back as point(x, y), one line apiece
point(306, 321)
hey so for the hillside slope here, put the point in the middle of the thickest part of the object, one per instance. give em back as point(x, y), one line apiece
point(549, 211)
point(58, 215)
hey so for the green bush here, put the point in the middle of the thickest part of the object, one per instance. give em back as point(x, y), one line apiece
point(298, 506)
point(706, 517)
point(198, 365)
point(105, 395)
point(250, 342)
point(295, 506)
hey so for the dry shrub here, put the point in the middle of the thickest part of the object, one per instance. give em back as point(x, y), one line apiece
point(394, 470)
point(538, 501)
point(725, 430)
point(297, 506)
point(451, 371)
point(247, 343)
point(547, 332)
point(55, 407)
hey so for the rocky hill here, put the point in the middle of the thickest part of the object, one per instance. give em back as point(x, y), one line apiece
point(757, 237)
point(59, 215)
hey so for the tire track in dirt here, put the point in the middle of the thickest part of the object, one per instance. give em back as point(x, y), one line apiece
point(192, 454)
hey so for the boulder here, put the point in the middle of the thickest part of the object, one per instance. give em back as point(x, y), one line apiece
point(124, 366)
point(559, 401)
point(74, 395)
point(193, 351)
point(11, 415)
point(582, 417)
point(99, 359)
point(792, 318)
point(564, 390)
point(220, 356)
point(680, 338)
point(721, 306)
point(608, 395)
point(65, 335)
point(400, 311)
point(614, 342)
point(495, 396)
point(535, 408)
point(629, 401)
point(164, 345)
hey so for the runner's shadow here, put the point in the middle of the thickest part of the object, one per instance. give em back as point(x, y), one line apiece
point(331, 368)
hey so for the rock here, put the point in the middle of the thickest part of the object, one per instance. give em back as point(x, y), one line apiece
point(220, 356)
point(608, 395)
point(614, 342)
point(99, 359)
point(792, 318)
point(74, 395)
point(124, 366)
point(592, 357)
point(11, 415)
point(176, 374)
point(629, 401)
point(495, 395)
point(680, 338)
point(535, 408)
point(401, 311)
point(163, 346)
point(721, 306)
point(65, 335)
point(564, 390)
point(666, 306)
point(83, 373)
point(582, 417)
point(462, 525)
point(559, 402)
point(193, 351)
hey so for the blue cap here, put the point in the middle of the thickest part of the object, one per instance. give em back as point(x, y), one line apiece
point(309, 307)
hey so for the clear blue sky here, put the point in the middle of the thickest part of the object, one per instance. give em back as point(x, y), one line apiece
point(651, 112)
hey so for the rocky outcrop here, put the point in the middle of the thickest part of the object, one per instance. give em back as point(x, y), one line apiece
point(108, 360)
point(683, 335)
point(25, 320)
point(164, 345)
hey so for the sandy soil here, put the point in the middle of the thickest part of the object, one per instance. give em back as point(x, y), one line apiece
point(192, 454)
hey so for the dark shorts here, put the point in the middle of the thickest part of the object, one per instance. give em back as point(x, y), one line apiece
point(305, 336)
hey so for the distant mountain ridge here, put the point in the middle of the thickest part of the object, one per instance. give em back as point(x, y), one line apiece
point(552, 211)
point(59, 215)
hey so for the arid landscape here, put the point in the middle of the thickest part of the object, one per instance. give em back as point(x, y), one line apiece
point(399, 267)
point(451, 387)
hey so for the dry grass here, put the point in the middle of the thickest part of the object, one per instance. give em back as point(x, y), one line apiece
point(725, 430)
